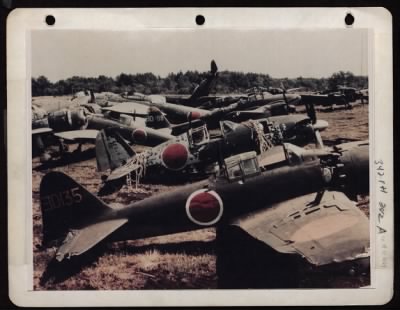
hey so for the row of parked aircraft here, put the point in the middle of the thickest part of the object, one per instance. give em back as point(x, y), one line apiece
point(236, 151)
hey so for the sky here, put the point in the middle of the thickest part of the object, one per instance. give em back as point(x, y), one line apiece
point(60, 54)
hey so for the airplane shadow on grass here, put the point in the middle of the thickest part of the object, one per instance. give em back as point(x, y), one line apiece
point(245, 263)
point(57, 272)
point(242, 262)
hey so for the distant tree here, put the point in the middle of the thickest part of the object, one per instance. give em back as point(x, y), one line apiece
point(360, 82)
point(105, 84)
point(228, 82)
point(62, 88)
point(41, 86)
point(124, 80)
point(340, 78)
point(183, 83)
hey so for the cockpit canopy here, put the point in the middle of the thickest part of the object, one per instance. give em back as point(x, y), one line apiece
point(126, 119)
point(228, 126)
point(242, 166)
point(199, 135)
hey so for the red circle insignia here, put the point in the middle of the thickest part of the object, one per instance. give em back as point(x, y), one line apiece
point(204, 207)
point(175, 156)
point(193, 115)
point(139, 135)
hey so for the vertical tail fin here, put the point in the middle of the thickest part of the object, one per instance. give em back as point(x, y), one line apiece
point(205, 86)
point(156, 119)
point(92, 97)
point(66, 205)
point(111, 150)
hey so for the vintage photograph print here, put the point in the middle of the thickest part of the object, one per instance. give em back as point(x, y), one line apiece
point(214, 159)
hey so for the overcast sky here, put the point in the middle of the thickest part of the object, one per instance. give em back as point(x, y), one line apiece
point(59, 54)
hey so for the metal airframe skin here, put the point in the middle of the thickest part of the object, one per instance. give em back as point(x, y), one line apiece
point(67, 206)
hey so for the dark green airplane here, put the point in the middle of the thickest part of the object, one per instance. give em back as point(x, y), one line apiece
point(297, 203)
point(193, 154)
point(78, 125)
point(257, 103)
point(341, 95)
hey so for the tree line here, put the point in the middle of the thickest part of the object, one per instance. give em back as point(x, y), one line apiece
point(227, 82)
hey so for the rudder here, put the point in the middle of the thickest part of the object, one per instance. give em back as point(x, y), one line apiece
point(111, 150)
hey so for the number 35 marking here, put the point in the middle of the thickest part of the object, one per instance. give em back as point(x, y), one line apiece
point(61, 199)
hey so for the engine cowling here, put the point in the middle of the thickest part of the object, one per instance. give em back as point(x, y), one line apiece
point(65, 120)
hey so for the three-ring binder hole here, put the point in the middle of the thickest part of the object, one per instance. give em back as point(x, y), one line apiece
point(200, 20)
point(349, 19)
point(50, 20)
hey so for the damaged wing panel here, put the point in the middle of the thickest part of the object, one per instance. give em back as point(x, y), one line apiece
point(330, 230)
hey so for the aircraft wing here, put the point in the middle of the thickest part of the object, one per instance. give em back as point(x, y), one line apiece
point(333, 230)
point(85, 135)
point(81, 100)
point(40, 131)
point(129, 107)
point(80, 240)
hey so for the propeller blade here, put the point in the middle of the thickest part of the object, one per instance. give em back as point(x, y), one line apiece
point(283, 87)
point(318, 140)
point(311, 112)
point(92, 97)
point(284, 97)
point(190, 119)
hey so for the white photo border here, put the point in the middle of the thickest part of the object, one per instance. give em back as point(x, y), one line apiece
point(21, 22)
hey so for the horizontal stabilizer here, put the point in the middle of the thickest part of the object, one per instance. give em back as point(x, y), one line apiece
point(130, 108)
point(330, 230)
point(84, 135)
point(80, 241)
point(41, 131)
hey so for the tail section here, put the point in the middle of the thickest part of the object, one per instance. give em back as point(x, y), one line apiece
point(66, 205)
point(92, 97)
point(156, 119)
point(111, 150)
point(205, 86)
